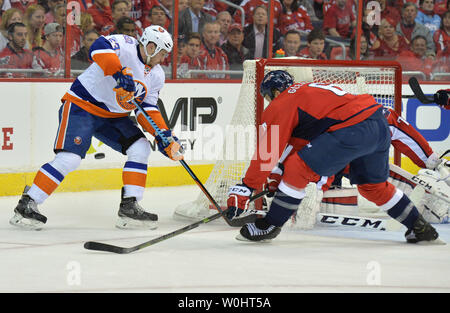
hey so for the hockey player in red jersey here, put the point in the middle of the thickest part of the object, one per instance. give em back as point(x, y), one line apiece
point(339, 129)
point(97, 104)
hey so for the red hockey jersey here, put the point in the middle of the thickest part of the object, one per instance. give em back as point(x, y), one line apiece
point(300, 114)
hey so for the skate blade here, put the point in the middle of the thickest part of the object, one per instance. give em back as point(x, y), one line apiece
point(25, 223)
point(242, 238)
point(129, 223)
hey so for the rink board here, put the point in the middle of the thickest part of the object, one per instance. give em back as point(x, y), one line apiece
point(29, 122)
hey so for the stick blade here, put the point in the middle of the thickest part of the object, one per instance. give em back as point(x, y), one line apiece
point(415, 86)
point(98, 246)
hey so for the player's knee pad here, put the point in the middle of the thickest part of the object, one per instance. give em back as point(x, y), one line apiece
point(139, 151)
point(66, 162)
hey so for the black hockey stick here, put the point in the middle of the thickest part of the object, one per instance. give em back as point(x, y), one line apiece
point(415, 86)
point(183, 163)
point(98, 246)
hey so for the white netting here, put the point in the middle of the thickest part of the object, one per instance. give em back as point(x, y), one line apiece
point(377, 81)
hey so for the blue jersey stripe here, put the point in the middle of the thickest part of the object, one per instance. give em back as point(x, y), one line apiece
point(82, 93)
point(100, 44)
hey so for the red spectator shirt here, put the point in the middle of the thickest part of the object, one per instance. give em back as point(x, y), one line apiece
point(18, 60)
point(384, 51)
point(391, 12)
point(340, 19)
point(187, 63)
point(22, 5)
point(296, 115)
point(413, 62)
point(305, 53)
point(217, 60)
point(47, 61)
point(250, 5)
point(102, 18)
point(298, 20)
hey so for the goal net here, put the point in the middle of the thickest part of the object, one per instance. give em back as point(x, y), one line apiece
point(378, 78)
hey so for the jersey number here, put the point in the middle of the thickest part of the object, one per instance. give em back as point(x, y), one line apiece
point(336, 90)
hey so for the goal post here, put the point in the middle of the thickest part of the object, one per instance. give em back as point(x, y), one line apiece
point(381, 79)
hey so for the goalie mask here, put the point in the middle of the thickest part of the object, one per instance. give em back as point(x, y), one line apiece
point(159, 36)
point(279, 80)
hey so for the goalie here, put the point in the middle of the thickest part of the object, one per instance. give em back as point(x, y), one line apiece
point(341, 129)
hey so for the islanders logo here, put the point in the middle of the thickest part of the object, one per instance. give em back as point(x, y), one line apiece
point(139, 96)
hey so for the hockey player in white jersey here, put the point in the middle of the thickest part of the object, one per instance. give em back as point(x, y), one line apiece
point(97, 105)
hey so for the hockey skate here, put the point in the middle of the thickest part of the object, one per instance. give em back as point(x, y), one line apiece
point(422, 233)
point(133, 216)
point(26, 214)
point(260, 230)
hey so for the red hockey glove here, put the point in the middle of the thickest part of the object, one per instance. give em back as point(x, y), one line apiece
point(238, 200)
point(442, 99)
point(274, 180)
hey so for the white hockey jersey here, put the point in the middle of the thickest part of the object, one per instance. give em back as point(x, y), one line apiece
point(93, 90)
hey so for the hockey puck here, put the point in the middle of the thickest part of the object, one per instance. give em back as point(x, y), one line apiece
point(99, 156)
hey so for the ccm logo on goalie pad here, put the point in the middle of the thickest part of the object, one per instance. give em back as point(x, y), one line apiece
point(429, 188)
point(239, 191)
point(351, 221)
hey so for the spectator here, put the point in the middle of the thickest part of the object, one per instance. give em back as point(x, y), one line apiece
point(119, 9)
point(49, 16)
point(291, 43)
point(157, 16)
point(23, 5)
point(416, 59)
point(102, 15)
point(135, 10)
point(364, 52)
point(34, 20)
point(234, 49)
point(409, 28)
point(224, 19)
point(125, 25)
point(80, 60)
point(250, 7)
point(293, 17)
point(255, 39)
point(191, 59)
point(427, 17)
point(442, 36)
point(389, 44)
point(86, 23)
point(212, 57)
point(387, 11)
point(14, 55)
point(9, 17)
point(339, 19)
point(166, 5)
point(315, 46)
point(193, 19)
point(182, 4)
point(50, 56)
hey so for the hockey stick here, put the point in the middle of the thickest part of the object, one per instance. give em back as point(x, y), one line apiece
point(98, 246)
point(414, 84)
point(188, 169)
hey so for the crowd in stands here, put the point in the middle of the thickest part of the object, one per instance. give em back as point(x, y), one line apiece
point(215, 36)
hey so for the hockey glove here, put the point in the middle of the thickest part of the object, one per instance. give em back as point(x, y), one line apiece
point(173, 150)
point(442, 99)
point(238, 200)
point(274, 180)
point(125, 88)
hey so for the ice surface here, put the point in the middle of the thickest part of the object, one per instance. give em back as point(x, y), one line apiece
point(208, 258)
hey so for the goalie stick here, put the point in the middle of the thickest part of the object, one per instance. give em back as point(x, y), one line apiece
point(183, 163)
point(414, 84)
point(98, 246)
